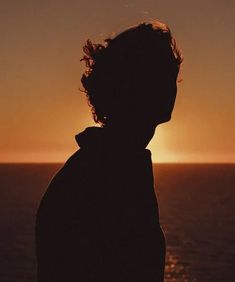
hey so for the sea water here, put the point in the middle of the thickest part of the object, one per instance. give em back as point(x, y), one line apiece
point(197, 213)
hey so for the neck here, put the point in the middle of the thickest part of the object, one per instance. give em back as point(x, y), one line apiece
point(134, 135)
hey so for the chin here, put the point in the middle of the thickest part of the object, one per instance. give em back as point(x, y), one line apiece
point(164, 119)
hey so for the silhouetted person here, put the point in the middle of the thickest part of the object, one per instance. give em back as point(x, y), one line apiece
point(98, 220)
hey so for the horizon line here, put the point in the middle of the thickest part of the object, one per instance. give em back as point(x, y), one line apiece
point(160, 162)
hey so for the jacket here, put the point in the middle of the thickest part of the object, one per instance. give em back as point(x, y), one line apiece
point(98, 219)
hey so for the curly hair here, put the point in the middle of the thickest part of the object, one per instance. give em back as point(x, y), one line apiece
point(119, 71)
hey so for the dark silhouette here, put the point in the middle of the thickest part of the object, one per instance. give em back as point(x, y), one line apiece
point(98, 220)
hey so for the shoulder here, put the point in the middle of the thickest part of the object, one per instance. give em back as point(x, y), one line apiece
point(76, 172)
point(65, 188)
point(77, 162)
point(68, 176)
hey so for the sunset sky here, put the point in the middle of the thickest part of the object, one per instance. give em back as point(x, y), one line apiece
point(40, 69)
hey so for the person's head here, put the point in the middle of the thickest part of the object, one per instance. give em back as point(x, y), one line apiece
point(133, 76)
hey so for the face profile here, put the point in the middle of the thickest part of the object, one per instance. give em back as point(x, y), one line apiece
point(133, 76)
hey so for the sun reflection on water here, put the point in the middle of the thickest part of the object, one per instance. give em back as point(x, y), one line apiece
point(175, 269)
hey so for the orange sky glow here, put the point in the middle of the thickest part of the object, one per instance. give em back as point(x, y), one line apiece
point(42, 108)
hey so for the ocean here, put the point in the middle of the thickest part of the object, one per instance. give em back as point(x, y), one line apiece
point(197, 213)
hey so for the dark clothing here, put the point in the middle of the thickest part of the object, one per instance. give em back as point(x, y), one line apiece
point(98, 220)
